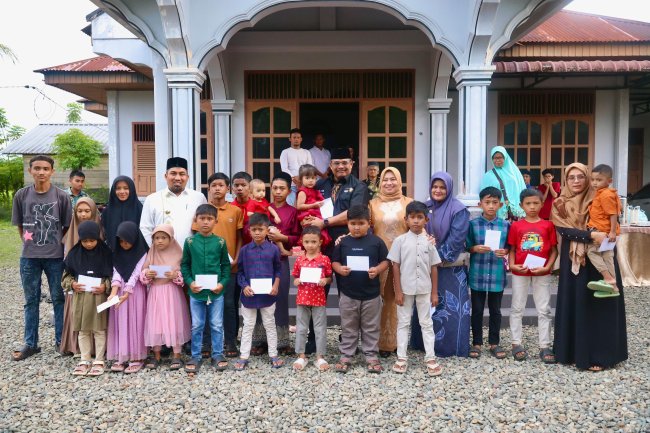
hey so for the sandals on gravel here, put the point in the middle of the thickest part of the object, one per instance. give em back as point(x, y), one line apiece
point(24, 352)
point(276, 362)
point(177, 364)
point(152, 363)
point(81, 369)
point(299, 364)
point(118, 367)
point(97, 369)
point(498, 352)
point(321, 365)
point(596, 368)
point(193, 366)
point(134, 367)
point(241, 364)
point(547, 356)
point(374, 366)
point(259, 350)
point(400, 366)
point(219, 364)
point(343, 365)
point(475, 352)
point(230, 350)
point(519, 353)
point(433, 368)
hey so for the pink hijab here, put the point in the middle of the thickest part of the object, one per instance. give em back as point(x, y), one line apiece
point(170, 256)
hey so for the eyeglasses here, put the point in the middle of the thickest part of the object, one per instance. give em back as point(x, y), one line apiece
point(576, 178)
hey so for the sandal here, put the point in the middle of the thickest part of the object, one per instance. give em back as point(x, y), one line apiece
point(133, 367)
point(321, 365)
point(117, 367)
point(25, 352)
point(547, 356)
point(241, 364)
point(152, 363)
point(81, 369)
point(177, 364)
point(300, 364)
point(192, 366)
point(343, 365)
point(475, 352)
point(230, 350)
point(374, 366)
point(498, 352)
point(400, 366)
point(97, 369)
point(600, 286)
point(276, 362)
point(219, 364)
point(519, 353)
point(433, 368)
point(599, 294)
point(596, 368)
point(259, 350)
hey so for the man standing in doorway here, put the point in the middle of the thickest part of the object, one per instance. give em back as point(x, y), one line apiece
point(173, 205)
point(77, 181)
point(320, 155)
point(291, 159)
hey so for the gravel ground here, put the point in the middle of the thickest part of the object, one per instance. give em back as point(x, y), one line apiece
point(486, 395)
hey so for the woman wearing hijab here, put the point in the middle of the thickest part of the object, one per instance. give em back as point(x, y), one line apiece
point(387, 212)
point(506, 177)
point(123, 205)
point(589, 331)
point(449, 224)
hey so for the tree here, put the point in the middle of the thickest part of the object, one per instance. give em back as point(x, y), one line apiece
point(8, 132)
point(74, 112)
point(11, 178)
point(5, 51)
point(75, 150)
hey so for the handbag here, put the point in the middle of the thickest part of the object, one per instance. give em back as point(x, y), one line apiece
point(510, 217)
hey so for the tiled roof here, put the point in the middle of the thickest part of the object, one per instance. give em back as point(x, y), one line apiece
point(569, 26)
point(39, 139)
point(96, 64)
point(574, 66)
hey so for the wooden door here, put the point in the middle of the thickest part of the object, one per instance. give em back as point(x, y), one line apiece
point(267, 135)
point(387, 138)
point(144, 157)
point(635, 160)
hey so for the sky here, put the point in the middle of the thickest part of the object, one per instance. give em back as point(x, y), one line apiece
point(42, 33)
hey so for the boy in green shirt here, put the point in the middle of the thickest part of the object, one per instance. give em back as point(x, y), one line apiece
point(205, 256)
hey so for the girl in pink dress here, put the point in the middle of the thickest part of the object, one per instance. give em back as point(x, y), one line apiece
point(167, 321)
point(126, 319)
point(309, 199)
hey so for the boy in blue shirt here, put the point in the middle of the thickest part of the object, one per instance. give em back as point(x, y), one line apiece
point(487, 271)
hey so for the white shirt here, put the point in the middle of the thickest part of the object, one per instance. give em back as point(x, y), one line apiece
point(165, 207)
point(415, 255)
point(291, 159)
point(321, 158)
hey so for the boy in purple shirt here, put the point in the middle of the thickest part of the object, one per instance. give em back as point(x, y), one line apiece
point(258, 260)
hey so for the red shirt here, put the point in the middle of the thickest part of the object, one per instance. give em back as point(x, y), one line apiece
point(311, 294)
point(245, 234)
point(545, 211)
point(531, 238)
point(255, 206)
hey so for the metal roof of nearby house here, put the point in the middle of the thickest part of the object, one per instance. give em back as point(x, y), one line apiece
point(599, 66)
point(39, 139)
point(569, 26)
point(95, 64)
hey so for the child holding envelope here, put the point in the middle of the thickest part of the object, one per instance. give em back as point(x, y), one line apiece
point(358, 260)
point(88, 271)
point(259, 275)
point(533, 251)
point(206, 270)
point(313, 271)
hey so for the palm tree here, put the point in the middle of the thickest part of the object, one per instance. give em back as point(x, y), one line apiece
point(5, 51)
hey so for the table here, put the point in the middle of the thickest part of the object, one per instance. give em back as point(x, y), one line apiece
point(633, 253)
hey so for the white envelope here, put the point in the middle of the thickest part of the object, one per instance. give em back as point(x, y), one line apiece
point(358, 263)
point(160, 270)
point(113, 301)
point(207, 282)
point(327, 209)
point(89, 282)
point(230, 258)
point(310, 275)
point(606, 245)
point(262, 286)
point(493, 239)
point(532, 261)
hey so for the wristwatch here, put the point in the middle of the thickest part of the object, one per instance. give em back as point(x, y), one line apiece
point(326, 222)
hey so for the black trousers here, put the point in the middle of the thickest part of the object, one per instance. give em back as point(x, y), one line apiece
point(478, 305)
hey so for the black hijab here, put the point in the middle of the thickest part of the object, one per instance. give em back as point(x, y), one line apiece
point(118, 211)
point(125, 261)
point(97, 262)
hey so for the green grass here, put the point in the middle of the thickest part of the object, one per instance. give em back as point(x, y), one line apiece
point(10, 244)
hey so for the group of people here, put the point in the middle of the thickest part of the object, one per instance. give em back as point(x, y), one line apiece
point(141, 278)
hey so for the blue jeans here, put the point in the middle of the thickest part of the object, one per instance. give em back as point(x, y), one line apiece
point(213, 313)
point(30, 275)
point(291, 198)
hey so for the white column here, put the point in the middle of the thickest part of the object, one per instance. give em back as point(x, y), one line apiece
point(622, 131)
point(185, 85)
point(438, 112)
point(161, 119)
point(222, 111)
point(472, 84)
point(113, 136)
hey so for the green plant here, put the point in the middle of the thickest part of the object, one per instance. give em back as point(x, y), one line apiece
point(75, 150)
point(73, 112)
point(11, 179)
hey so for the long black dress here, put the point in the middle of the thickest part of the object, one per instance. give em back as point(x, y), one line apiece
point(589, 331)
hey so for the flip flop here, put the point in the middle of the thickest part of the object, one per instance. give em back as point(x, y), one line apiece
point(600, 286)
point(241, 364)
point(374, 366)
point(118, 367)
point(133, 367)
point(433, 368)
point(400, 366)
point(599, 294)
point(343, 365)
point(276, 362)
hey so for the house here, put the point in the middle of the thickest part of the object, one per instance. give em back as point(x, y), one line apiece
point(423, 86)
point(39, 140)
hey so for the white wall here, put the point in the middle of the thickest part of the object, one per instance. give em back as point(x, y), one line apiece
point(132, 106)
